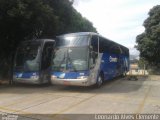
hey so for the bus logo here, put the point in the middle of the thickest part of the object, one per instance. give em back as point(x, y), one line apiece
point(113, 59)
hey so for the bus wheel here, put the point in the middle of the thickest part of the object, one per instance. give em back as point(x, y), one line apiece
point(99, 81)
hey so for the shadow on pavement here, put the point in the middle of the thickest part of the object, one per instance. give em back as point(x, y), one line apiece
point(117, 85)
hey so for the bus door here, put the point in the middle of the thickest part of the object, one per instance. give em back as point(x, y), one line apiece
point(94, 59)
point(46, 61)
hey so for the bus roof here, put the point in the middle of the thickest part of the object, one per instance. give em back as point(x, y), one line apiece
point(92, 33)
point(38, 40)
point(78, 33)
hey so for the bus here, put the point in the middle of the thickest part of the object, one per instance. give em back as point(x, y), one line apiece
point(86, 58)
point(32, 61)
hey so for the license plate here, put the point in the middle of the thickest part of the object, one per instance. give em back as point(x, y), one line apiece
point(66, 83)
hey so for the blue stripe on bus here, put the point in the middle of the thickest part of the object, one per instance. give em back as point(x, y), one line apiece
point(70, 75)
point(25, 74)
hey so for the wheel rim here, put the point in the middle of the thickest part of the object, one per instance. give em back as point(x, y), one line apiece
point(99, 81)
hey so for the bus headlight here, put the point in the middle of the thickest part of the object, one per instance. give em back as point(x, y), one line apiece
point(82, 77)
point(35, 77)
point(53, 77)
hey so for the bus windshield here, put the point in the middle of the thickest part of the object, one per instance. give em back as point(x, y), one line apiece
point(70, 59)
point(27, 57)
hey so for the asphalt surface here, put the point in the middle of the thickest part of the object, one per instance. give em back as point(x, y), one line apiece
point(119, 96)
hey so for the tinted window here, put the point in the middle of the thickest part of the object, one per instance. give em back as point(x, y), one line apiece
point(94, 43)
point(104, 45)
point(115, 50)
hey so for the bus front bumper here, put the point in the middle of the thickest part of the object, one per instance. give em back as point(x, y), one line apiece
point(26, 80)
point(71, 82)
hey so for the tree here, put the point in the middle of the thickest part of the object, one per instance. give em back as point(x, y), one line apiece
point(30, 19)
point(142, 62)
point(69, 19)
point(23, 19)
point(149, 41)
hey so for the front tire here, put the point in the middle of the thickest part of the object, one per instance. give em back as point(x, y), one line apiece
point(99, 82)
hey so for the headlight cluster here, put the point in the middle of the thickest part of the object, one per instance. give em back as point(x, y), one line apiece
point(35, 77)
point(53, 77)
point(82, 77)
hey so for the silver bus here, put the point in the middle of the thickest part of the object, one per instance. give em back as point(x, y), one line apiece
point(32, 61)
point(86, 58)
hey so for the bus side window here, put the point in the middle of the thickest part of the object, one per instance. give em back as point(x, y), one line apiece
point(104, 45)
point(115, 50)
point(101, 45)
point(94, 43)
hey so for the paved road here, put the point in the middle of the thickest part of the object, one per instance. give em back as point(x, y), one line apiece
point(117, 96)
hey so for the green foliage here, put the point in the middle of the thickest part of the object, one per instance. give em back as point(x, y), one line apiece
point(149, 41)
point(69, 19)
point(23, 19)
point(29, 19)
point(142, 62)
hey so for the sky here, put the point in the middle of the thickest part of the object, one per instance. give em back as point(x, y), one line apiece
point(118, 20)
